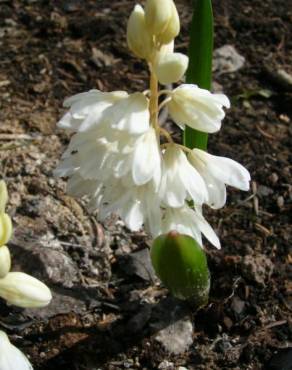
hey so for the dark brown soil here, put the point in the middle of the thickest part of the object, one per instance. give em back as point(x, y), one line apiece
point(106, 312)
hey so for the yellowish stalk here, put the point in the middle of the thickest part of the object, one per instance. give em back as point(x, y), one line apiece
point(153, 104)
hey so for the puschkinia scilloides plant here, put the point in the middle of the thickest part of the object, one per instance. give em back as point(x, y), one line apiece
point(125, 162)
point(16, 288)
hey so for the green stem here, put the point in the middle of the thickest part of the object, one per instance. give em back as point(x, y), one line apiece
point(200, 62)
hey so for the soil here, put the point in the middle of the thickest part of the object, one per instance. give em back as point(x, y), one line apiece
point(108, 306)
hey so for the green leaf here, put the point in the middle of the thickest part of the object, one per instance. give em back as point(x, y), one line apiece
point(200, 62)
point(181, 264)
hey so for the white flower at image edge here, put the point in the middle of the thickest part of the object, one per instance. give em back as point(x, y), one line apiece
point(11, 358)
point(180, 181)
point(23, 290)
point(218, 172)
point(197, 108)
point(191, 222)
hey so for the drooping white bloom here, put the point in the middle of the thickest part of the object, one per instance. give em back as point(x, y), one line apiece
point(116, 110)
point(23, 290)
point(134, 204)
point(11, 358)
point(88, 109)
point(5, 228)
point(140, 41)
point(180, 181)
point(197, 108)
point(5, 261)
point(218, 172)
point(170, 67)
point(190, 222)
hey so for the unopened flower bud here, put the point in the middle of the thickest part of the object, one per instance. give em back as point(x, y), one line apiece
point(172, 29)
point(170, 68)
point(139, 39)
point(162, 19)
point(10, 356)
point(23, 290)
point(5, 228)
point(181, 264)
point(3, 196)
point(5, 261)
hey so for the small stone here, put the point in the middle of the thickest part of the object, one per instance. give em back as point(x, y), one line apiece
point(139, 264)
point(228, 322)
point(258, 268)
point(280, 201)
point(274, 178)
point(237, 305)
point(227, 60)
point(177, 337)
point(264, 191)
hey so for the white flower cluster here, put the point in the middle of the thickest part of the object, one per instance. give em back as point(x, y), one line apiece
point(16, 288)
point(115, 156)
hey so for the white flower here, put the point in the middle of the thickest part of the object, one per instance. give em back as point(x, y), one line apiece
point(24, 290)
point(134, 204)
point(190, 222)
point(218, 171)
point(180, 180)
point(94, 110)
point(88, 109)
point(140, 41)
point(11, 358)
point(197, 108)
point(5, 261)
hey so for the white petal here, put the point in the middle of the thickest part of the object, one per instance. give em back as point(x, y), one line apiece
point(130, 114)
point(206, 229)
point(180, 179)
point(133, 215)
point(146, 158)
point(193, 181)
point(226, 170)
point(216, 191)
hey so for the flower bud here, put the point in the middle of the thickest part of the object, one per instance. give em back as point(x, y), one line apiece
point(162, 19)
point(170, 68)
point(139, 39)
point(5, 261)
point(5, 228)
point(172, 29)
point(10, 356)
point(3, 196)
point(181, 264)
point(23, 290)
